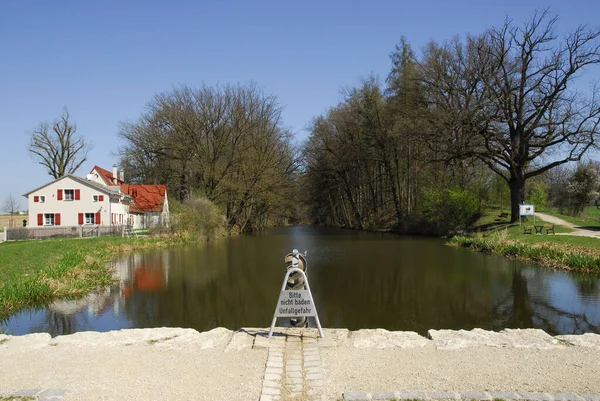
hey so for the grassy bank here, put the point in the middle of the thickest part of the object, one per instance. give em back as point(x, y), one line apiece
point(34, 272)
point(495, 235)
point(550, 253)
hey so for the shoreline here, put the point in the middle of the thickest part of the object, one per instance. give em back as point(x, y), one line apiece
point(295, 364)
point(545, 254)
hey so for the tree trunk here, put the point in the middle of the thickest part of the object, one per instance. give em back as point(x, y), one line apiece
point(517, 194)
point(391, 178)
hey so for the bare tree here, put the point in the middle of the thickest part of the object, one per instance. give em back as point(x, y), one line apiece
point(227, 144)
point(11, 207)
point(58, 149)
point(506, 99)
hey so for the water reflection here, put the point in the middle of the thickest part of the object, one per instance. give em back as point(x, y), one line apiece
point(359, 280)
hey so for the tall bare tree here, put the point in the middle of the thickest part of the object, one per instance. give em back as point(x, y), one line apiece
point(506, 98)
point(227, 144)
point(57, 148)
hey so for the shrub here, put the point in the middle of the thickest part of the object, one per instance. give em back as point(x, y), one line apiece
point(200, 217)
point(451, 210)
point(537, 194)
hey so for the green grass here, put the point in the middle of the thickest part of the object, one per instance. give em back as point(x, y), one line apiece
point(554, 255)
point(32, 273)
point(17, 398)
point(589, 218)
point(496, 235)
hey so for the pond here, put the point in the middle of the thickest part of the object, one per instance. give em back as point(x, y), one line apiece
point(358, 279)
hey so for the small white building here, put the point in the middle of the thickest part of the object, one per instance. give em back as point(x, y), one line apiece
point(72, 201)
point(102, 198)
point(150, 204)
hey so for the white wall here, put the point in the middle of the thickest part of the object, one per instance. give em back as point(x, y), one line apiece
point(69, 210)
point(96, 177)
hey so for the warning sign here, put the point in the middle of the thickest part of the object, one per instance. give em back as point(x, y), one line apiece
point(295, 303)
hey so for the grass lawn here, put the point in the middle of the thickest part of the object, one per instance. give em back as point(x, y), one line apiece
point(589, 218)
point(35, 272)
point(494, 234)
point(490, 223)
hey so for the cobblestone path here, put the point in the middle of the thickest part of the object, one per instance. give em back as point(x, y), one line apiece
point(294, 370)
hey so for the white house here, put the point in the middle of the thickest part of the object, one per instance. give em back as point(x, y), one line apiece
point(71, 201)
point(150, 204)
point(102, 198)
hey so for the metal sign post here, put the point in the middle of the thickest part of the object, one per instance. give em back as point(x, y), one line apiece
point(295, 303)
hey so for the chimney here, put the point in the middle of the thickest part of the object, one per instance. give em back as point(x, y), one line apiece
point(122, 175)
point(115, 174)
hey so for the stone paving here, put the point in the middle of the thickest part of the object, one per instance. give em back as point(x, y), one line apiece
point(294, 370)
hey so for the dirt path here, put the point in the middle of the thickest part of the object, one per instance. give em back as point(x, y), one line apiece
point(577, 230)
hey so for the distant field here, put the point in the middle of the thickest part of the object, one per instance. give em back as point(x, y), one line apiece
point(16, 221)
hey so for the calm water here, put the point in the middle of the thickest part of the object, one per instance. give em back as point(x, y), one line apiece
point(359, 280)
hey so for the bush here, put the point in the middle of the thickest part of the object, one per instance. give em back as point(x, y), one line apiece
point(583, 187)
point(576, 189)
point(451, 210)
point(537, 194)
point(200, 217)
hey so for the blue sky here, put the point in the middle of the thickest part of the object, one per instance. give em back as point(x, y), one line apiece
point(105, 60)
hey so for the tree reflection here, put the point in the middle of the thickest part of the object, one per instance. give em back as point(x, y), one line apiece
point(358, 281)
point(58, 323)
point(520, 310)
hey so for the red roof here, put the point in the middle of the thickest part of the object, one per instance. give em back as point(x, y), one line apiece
point(146, 198)
point(107, 176)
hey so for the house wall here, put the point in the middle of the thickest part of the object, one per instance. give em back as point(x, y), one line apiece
point(96, 177)
point(118, 213)
point(152, 219)
point(69, 209)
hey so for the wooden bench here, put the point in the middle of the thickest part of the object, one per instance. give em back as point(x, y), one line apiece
point(527, 230)
point(550, 229)
point(503, 215)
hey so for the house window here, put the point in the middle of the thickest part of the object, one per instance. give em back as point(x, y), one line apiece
point(90, 218)
point(69, 194)
point(42, 199)
point(49, 219)
point(95, 198)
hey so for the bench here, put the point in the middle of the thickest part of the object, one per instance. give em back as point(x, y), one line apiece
point(550, 229)
point(503, 215)
point(527, 230)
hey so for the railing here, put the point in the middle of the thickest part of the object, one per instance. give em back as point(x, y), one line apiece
point(29, 233)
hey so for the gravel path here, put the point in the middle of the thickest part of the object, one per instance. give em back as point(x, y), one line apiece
point(581, 231)
point(182, 364)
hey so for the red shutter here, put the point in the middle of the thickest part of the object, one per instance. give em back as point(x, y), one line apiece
point(101, 198)
point(77, 194)
point(57, 219)
point(59, 194)
point(36, 198)
point(40, 219)
point(98, 218)
point(80, 219)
